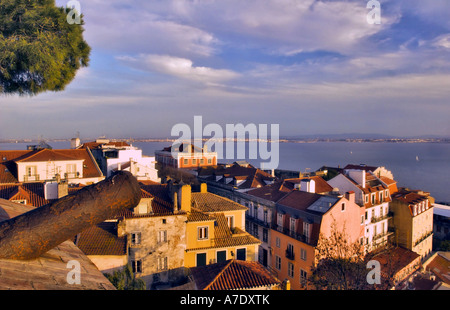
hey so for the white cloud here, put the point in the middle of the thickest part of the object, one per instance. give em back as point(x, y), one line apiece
point(179, 67)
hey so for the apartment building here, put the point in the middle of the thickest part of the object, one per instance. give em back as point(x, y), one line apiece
point(216, 230)
point(413, 220)
point(373, 195)
point(119, 155)
point(44, 165)
point(186, 156)
point(301, 217)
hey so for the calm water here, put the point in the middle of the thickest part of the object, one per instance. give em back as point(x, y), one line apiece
point(431, 172)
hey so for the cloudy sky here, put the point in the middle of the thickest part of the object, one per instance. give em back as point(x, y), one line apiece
point(313, 67)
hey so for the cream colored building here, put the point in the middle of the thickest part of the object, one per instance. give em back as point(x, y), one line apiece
point(413, 220)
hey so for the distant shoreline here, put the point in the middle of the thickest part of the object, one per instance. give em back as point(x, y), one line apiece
point(283, 140)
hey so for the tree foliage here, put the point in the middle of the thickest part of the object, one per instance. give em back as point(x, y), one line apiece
point(39, 50)
point(341, 264)
point(125, 279)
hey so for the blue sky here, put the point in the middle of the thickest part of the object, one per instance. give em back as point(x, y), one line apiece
point(313, 67)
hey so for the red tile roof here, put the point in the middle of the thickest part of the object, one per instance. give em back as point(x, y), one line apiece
point(8, 160)
point(233, 275)
point(33, 193)
point(102, 239)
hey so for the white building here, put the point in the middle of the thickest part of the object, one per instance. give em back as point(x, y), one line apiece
point(115, 156)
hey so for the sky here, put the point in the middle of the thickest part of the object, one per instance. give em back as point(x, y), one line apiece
point(312, 67)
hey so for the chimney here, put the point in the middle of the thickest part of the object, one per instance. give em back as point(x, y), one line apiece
point(350, 196)
point(185, 194)
point(203, 188)
point(308, 185)
point(63, 189)
point(175, 202)
point(51, 190)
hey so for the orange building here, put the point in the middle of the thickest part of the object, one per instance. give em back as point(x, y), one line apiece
point(299, 220)
point(186, 156)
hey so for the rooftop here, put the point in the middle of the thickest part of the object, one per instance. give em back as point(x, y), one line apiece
point(233, 275)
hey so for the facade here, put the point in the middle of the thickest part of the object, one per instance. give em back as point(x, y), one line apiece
point(187, 156)
point(115, 156)
point(373, 195)
point(441, 222)
point(44, 165)
point(413, 220)
point(301, 217)
point(216, 230)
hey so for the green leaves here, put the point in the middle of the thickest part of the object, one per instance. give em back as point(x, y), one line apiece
point(39, 50)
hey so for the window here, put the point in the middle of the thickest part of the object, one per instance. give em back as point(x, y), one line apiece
point(343, 207)
point(266, 216)
point(373, 199)
point(277, 242)
point(367, 198)
point(303, 277)
point(202, 233)
point(386, 193)
point(31, 171)
point(306, 228)
point(162, 236)
point(303, 254)
point(381, 196)
point(194, 161)
point(209, 161)
point(362, 219)
point(135, 238)
point(292, 225)
point(241, 254)
point(265, 235)
point(162, 263)
point(280, 219)
point(136, 266)
point(186, 161)
point(201, 259)
point(221, 256)
point(277, 262)
point(291, 270)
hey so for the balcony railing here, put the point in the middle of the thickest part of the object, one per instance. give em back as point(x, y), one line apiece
point(256, 220)
point(300, 237)
point(376, 219)
point(31, 178)
point(290, 254)
point(423, 238)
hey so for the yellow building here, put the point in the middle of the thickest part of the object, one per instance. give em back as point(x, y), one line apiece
point(413, 220)
point(215, 229)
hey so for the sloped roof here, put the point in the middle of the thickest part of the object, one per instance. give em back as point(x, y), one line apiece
point(32, 192)
point(102, 239)
point(209, 202)
point(9, 160)
point(233, 275)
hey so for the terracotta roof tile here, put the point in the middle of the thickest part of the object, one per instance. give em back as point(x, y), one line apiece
point(232, 275)
point(102, 239)
point(208, 202)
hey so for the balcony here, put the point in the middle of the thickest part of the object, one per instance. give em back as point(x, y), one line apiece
point(299, 237)
point(71, 175)
point(255, 220)
point(290, 254)
point(423, 238)
point(31, 178)
point(376, 219)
